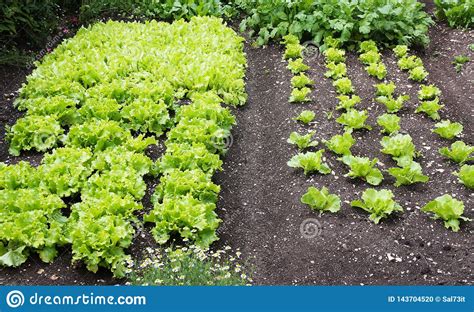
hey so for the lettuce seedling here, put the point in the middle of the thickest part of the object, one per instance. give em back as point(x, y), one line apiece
point(370, 57)
point(448, 209)
point(408, 174)
point(377, 70)
point(447, 129)
point(347, 101)
point(390, 123)
point(300, 95)
point(310, 162)
point(363, 168)
point(336, 71)
point(400, 147)
point(385, 89)
point(301, 81)
point(418, 74)
point(290, 39)
point(409, 62)
point(305, 117)
point(354, 119)
point(379, 204)
point(341, 144)
point(392, 104)
point(302, 141)
point(321, 200)
point(400, 51)
point(466, 175)
point(293, 51)
point(430, 108)
point(368, 45)
point(335, 55)
point(343, 86)
point(428, 92)
point(297, 66)
point(460, 152)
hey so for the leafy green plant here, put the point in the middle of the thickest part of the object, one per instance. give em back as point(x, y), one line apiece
point(401, 21)
point(390, 123)
point(370, 57)
point(368, 45)
point(400, 51)
point(310, 162)
point(409, 173)
point(300, 95)
point(460, 152)
point(409, 62)
point(336, 70)
point(343, 86)
point(306, 116)
point(447, 129)
point(348, 102)
point(341, 144)
point(380, 204)
point(430, 108)
point(399, 146)
point(385, 89)
point(392, 104)
point(321, 200)
point(297, 66)
point(466, 175)
point(459, 62)
point(448, 209)
point(354, 119)
point(302, 141)
point(457, 13)
point(377, 70)
point(293, 51)
point(428, 92)
point(363, 168)
point(301, 81)
point(334, 55)
point(418, 74)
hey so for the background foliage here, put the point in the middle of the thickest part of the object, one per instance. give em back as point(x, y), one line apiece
point(458, 13)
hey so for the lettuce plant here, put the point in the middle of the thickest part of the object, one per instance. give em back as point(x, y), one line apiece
point(354, 119)
point(363, 168)
point(310, 162)
point(385, 89)
point(409, 173)
point(447, 129)
point(343, 86)
point(301, 81)
point(321, 200)
point(459, 152)
point(418, 73)
point(392, 104)
point(400, 50)
point(399, 146)
point(370, 57)
point(348, 102)
point(335, 55)
point(341, 144)
point(368, 45)
point(377, 70)
point(297, 66)
point(390, 123)
point(448, 209)
point(302, 141)
point(306, 116)
point(430, 108)
point(409, 62)
point(466, 175)
point(336, 70)
point(293, 51)
point(380, 204)
point(300, 95)
point(428, 92)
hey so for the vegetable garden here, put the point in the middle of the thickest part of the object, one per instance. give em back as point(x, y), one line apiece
point(323, 156)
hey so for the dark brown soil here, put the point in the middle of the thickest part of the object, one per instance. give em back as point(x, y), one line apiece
point(259, 202)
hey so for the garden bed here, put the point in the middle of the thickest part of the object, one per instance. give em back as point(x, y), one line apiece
point(259, 202)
